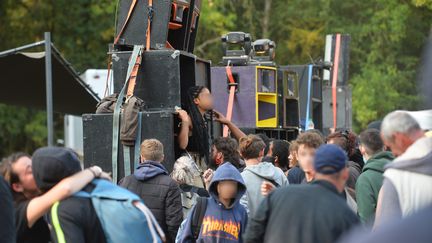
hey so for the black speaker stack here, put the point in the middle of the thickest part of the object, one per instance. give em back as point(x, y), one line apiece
point(174, 23)
point(343, 89)
point(166, 72)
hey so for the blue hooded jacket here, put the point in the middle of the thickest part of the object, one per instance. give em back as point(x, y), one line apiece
point(220, 224)
point(148, 170)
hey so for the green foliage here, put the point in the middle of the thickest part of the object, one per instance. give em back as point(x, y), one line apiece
point(81, 29)
point(213, 23)
point(24, 129)
point(387, 39)
point(21, 129)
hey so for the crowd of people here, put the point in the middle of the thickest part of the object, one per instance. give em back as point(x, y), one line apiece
point(374, 187)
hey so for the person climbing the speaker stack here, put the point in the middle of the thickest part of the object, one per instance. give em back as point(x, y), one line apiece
point(193, 136)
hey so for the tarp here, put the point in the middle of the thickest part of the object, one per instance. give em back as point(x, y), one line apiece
point(22, 83)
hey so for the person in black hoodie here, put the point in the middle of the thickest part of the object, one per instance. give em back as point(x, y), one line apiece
point(160, 192)
point(29, 203)
point(72, 219)
point(314, 212)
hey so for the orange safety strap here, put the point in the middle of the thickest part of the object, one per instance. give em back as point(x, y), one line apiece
point(131, 8)
point(168, 45)
point(174, 26)
point(108, 75)
point(230, 99)
point(150, 18)
point(174, 11)
point(335, 77)
point(132, 79)
point(117, 38)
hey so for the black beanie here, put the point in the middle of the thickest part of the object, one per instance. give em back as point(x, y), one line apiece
point(52, 164)
point(375, 125)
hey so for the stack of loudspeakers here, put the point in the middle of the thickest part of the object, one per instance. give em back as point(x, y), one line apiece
point(256, 95)
point(343, 90)
point(266, 96)
point(266, 99)
point(315, 88)
point(165, 74)
point(174, 23)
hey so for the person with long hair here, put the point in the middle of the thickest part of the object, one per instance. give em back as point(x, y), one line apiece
point(193, 136)
point(347, 140)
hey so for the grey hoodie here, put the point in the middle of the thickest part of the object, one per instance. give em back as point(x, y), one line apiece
point(407, 185)
point(253, 177)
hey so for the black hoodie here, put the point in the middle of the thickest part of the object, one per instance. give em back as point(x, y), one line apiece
point(160, 193)
point(306, 213)
point(73, 219)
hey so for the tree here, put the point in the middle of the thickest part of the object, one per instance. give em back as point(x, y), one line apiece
point(387, 40)
point(81, 29)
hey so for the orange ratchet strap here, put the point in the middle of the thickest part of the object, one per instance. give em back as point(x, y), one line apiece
point(335, 77)
point(230, 99)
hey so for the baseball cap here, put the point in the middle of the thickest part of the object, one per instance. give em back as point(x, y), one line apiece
point(330, 159)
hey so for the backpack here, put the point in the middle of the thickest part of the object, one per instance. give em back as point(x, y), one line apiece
point(122, 220)
point(198, 216)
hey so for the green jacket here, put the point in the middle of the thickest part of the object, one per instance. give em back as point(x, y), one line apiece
point(369, 184)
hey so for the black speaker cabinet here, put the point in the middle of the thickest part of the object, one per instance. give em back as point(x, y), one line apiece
point(344, 56)
point(288, 98)
point(164, 76)
point(183, 24)
point(314, 92)
point(343, 107)
point(134, 32)
point(97, 130)
point(173, 24)
point(283, 134)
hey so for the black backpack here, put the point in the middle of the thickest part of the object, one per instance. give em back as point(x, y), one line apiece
point(198, 216)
